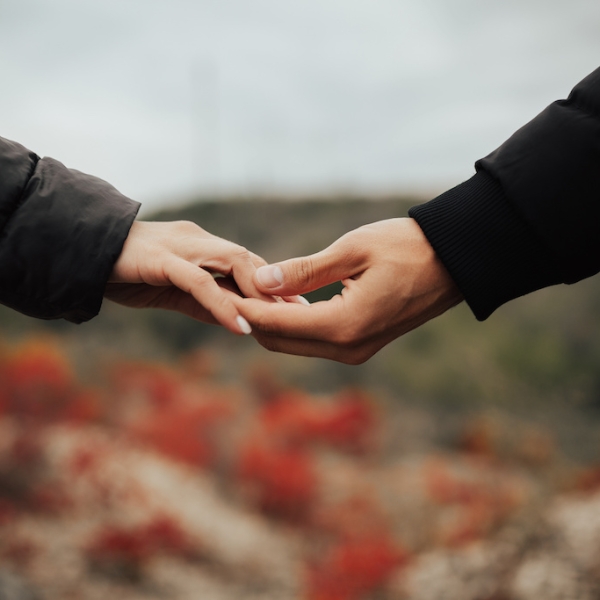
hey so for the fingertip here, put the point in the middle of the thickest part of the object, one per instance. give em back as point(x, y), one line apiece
point(243, 325)
point(297, 300)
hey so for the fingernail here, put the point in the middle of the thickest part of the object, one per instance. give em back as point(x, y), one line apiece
point(243, 325)
point(270, 276)
point(303, 300)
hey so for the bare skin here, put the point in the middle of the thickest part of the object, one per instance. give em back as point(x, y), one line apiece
point(171, 266)
point(393, 281)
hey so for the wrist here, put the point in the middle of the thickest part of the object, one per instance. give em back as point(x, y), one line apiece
point(436, 277)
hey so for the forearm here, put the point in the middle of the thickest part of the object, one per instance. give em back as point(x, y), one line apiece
point(61, 232)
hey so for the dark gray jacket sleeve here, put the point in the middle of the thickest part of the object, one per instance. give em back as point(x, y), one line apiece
point(530, 217)
point(61, 232)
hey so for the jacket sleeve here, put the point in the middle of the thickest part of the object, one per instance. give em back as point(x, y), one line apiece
point(530, 216)
point(61, 231)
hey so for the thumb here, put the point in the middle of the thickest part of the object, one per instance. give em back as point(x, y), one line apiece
point(304, 274)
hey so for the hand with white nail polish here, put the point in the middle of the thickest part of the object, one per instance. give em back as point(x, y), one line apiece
point(393, 282)
point(172, 266)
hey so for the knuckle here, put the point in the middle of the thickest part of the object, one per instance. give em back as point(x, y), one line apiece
point(200, 283)
point(199, 278)
point(241, 253)
point(305, 271)
point(186, 227)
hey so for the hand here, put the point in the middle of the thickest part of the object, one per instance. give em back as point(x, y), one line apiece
point(393, 281)
point(170, 265)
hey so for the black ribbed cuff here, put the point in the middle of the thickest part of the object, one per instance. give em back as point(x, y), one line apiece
point(487, 248)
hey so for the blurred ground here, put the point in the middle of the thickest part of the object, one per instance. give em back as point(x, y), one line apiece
point(166, 482)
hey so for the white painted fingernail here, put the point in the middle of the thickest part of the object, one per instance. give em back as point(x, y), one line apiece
point(270, 276)
point(243, 325)
point(303, 300)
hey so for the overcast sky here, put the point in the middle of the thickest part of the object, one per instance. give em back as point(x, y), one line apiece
point(168, 98)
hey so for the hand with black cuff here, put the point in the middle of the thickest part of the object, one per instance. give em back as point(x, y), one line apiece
point(393, 282)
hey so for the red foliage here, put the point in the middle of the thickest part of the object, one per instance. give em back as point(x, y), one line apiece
point(49, 499)
point(159, 384)
point(185, 433)
point(118, 546)
point(350, 423)
point(130, 548)
point(8, 511)
point(356, 516)
point(484, 504)
point(295, 418)
point(477, 438)
point(283, 480)
point(84, 461)
point(354, 567)
point(37, 383)
point(588, 480)
point(290, 417)
point(164, 535)
point(20, 551)
point(26, 451)
point(85, 406)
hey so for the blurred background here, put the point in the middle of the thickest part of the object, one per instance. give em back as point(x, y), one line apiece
point(144, 455)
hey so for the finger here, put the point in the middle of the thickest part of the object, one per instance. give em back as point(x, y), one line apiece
point(308, 273)
point(229, 259)
point(332, 321)
point(247, 283)
point(168, 298)
point(317, 349)
point(179, 301)
point(201, 285)
point(296, 300)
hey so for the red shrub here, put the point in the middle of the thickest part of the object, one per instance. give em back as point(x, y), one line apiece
point(84, 461)
point(19, 551)
point(282, 480)
point(295, 418)
point(484, 504)
point(350, 423)
point(8, 511)
point(125, 551)
point(477, 438)
point(446, 488)
point(356, 516)
point(185, 433)
point(49, 498)
point(86, 406)
point(354, 567)
point(291, 417)
point(165, 535)
point(26, 451)
point(37, 382)
point(159, 384)
point(588, 480)
point(119, 551)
